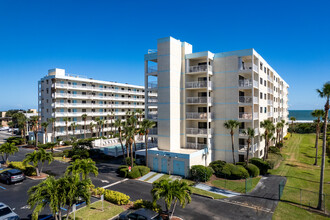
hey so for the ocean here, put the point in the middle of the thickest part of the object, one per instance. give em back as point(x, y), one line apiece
point(301, 115)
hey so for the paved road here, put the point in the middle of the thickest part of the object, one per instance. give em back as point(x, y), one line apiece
point(4, 135)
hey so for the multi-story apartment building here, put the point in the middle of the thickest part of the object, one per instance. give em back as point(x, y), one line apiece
point(63, 95)
point(197, 93)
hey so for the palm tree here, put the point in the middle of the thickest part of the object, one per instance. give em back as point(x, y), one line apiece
point(35, 127)
point(250, 133)
point(293, 119)
point(279, 126)
point(67, 120)
point(52, 121)
point(171, 191)
point(318, 113)
point(282, 130)
point(11, 125)
point(146, 126)
point(43, 157)
point(34, 159)
point(45, 126)
point(130, 133)
point(82, 167)
point(98, 129)
point(323, 93)
point(7, 149)
point(91, 128)
point(112, 117)
point(269, 127)
point(118, 125)
point(22, 120)
point(140, 113)
point(73, 127)
point(84, 118)
point(232, 125)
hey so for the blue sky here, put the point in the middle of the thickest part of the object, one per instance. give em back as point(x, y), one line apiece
point(106, 40)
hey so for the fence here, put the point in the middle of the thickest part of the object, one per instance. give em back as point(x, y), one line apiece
point(303, 197)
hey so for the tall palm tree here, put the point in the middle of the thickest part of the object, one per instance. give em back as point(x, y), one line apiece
point(67, 120)
point(82, 167)
point(250, 134)
point(171, 191)
point(130, 133)
point(112, 117)
point(84, 118)
point(7, 149)
point(35, 128)
point(118, 125)
point(73, 127)
point(282, 130)
point(52, 121)
point(22, 120)
point(43, 157)
point(293, 119)
point(45, 126)
point(269, 128)
point(133, 123)
point(232, 125)
point(91, 128)
point(33, 158)
point(146, 126)
point(140, 113)
point(98, 129)
point(318, 113)
point(323, 93)
point(279, 126)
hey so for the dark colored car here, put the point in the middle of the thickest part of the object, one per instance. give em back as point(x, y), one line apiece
point(140, 214)
point(12, 176)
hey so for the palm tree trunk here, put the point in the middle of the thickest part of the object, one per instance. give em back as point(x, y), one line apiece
point(266, 142)
point(122, 146)
point(37, 170)
point(127, 150)
point(85, 129)
point(173, 208)
point(232, 146)
point(247, 153)
point(132, 161)
point(146, 143)
point(320, 202)
point(316, 142)
point(282, 134)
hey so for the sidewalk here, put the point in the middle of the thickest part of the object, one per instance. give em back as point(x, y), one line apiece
point(153, 176)
point(216, 190)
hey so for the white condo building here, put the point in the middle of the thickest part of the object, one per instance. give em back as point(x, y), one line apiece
point(197, 93)
point(63, 95)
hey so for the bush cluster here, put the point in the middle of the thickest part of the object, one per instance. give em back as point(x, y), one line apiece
point(27, 169)
point(115, 197)
point(228, 170)
point(147, 205)
point(46, 146)
point(84, 143)
point(201, 173)
point(15, 140)
point(262, 165)
point(253, 170)
point(286, 137)
point(136, 172)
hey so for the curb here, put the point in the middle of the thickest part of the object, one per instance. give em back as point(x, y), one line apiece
point(208, 197)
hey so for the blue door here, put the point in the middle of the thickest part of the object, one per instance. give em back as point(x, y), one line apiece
point(164, 165)
point(178, 168)
point(155, 164)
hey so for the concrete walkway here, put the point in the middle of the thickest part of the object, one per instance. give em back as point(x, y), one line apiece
point(216, 190)
point(153, 179)
point(143, 178)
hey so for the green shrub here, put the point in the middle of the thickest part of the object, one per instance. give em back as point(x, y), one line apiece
point(115, 197)
point(274, 150)
point(28, 169)
point(143, 170)
point(16, 140)
point(66, 143)
point(201, 173)
point(253, 170)
point(217, 166)
point(239, 172)
point(129, 162)
point(147, 205)
point(123, 172)
point(262, 165)
point(135, 173)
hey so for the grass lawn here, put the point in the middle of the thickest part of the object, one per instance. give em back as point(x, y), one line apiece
point(297, 166)
point(67, 160)
point(234, 185)
point(94, 211)
point(202, 192)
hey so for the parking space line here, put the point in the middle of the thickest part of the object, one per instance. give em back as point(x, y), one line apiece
point(47, 217)
point(107, 186)
point(2, 187)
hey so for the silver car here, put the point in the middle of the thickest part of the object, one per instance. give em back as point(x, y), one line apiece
point(6, 213)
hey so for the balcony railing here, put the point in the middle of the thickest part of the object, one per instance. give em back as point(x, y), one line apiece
point(200, 68)
point(198, 84)
point(253, 148)
point(269, 78)
point(245, 99)
point(198, 131)
point(270, 114)
point(153, 116)
point(255, 68)
point(152, 100)
point(241, 132)
point(255, 100)
point(199, 100)
point(153, 131)
point(269, 90)
point(190, 145)
point(244, 115)
point(198, 115)
point(152, 69)
point(269, 102)
point(245, 83)
point(152, 85)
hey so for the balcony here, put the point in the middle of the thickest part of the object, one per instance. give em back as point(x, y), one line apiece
point(153, 131)
point(270, 114)
point(241, 132)
point(152, 100)
point(247, 83)
point(198, 100)
point(198, 84)
point(244, 115)
point(197, 146)
point(198, 131)
point(245, 99)
point(255, 100)
point(270, 102)
point(243, 148)
point(152, 85)
point(248, 68)
point(269, 90)
point(198, 115)
point(199, 68)
point(269, 78)
point(152, 115)
point(152, 69)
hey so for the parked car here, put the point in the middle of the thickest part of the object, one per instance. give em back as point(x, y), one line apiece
point(6, 213)
point(140, 214)
point(12, 176)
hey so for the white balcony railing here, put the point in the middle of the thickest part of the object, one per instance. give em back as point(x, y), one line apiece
point(245, 99)
point(198, 100)
point(200, 68)
point(270, 114)
point(245, 83)
point(152, 69)
point(253, 148)
point(198, 115)
point(269, 102)
point(198, 131)
point(255, 68)
point(153, 131)
point(198, 84)
point(255, 100)
point(269, 90)
point(269, 78)
point(241, 132)
point(244, 115)
point(190, 145)
point(152, 85)
point(152, 100)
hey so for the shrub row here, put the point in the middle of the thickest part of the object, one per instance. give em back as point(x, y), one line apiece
point(136, 172)
point(228, 170)
point(147, 205)
point(112, 196)
point(28, 169)
point(262, 165)
point(16, 140)
point(201, 173)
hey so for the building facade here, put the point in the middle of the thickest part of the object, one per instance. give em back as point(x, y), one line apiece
point(197, 93)
point(63, 95)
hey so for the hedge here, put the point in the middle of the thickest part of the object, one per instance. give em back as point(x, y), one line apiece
point(147, 205)
point(115, 197)
point(201, 173)
point(16, 140)
point(253, 170)
point(228, 170)
point(217, 166)
point(262, 165)
point(136, 172)
point(28, 169)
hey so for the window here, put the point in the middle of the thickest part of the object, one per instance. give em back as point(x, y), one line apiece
point(265, 110)
point(260, 109)
point(265, 70)
point(83, 110)
point(265, 83)
point(261, 95)
point(260, 66)
point(260, 81)
point(265, 96)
